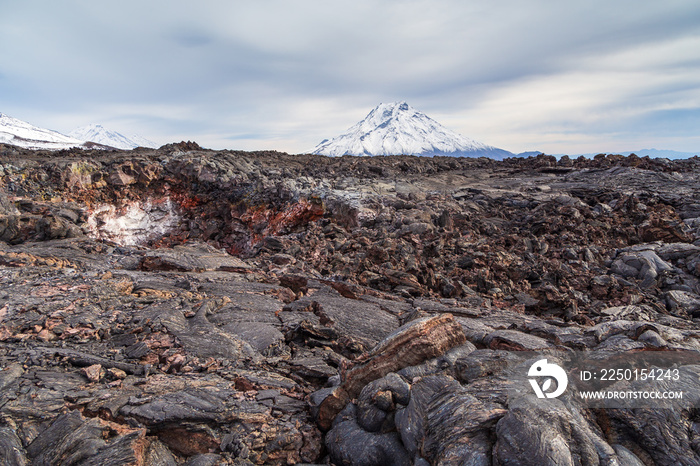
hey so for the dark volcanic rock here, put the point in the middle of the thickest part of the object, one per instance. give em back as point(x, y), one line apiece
point(198, 335)
point(72, 439)
point(196, 258)
point(445, 424)
point(185, 306)
point(363, 321)
point(348, 444)
point(547, 432)
point(11, 450)
point(378, 399)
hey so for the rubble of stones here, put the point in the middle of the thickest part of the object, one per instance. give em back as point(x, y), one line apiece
point(187, 306)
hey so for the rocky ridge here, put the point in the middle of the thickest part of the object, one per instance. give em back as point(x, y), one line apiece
point(184, 306)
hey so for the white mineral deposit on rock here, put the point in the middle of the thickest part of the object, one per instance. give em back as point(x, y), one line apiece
point(135, 223)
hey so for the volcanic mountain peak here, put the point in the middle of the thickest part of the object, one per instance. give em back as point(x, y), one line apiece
point(20, 133)
point(101, 135)
point(397, 128)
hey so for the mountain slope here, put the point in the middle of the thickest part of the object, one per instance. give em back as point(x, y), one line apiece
point(101, 135)
point(397, 128)
point(22, 134)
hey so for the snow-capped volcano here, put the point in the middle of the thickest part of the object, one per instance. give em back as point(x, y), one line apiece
point(22, 134)
point(397, 128)
point(101, 135)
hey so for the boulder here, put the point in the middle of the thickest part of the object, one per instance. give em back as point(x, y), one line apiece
point(410, 345)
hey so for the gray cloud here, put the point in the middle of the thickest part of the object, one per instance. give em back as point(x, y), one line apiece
point(546, 75)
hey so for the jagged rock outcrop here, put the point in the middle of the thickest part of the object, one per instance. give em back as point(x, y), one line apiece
point(410, 345)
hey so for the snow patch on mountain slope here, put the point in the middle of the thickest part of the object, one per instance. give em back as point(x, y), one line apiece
point(22, 134)
point(101, 135)
point(397, 128)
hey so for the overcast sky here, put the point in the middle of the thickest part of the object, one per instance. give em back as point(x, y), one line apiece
point(556, 76)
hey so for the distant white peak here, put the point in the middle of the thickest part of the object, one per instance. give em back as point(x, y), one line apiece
point(397, 128)
point(20, 133)
point(143, 142)
point(101, 135)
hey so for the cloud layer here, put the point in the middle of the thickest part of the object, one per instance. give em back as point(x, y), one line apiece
point(551, 76)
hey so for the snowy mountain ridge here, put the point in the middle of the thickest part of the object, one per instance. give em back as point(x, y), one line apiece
point(101, 135)
point(397, 128)
point(22, 134)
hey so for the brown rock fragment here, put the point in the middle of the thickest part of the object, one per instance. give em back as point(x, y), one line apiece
point(409, 345)
point(116, 373)
point(46, 335)
point(186, 442)
point(330, 403)
point(94, 373)
point(119, 178)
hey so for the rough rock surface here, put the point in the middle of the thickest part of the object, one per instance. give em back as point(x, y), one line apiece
point(184, 306)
